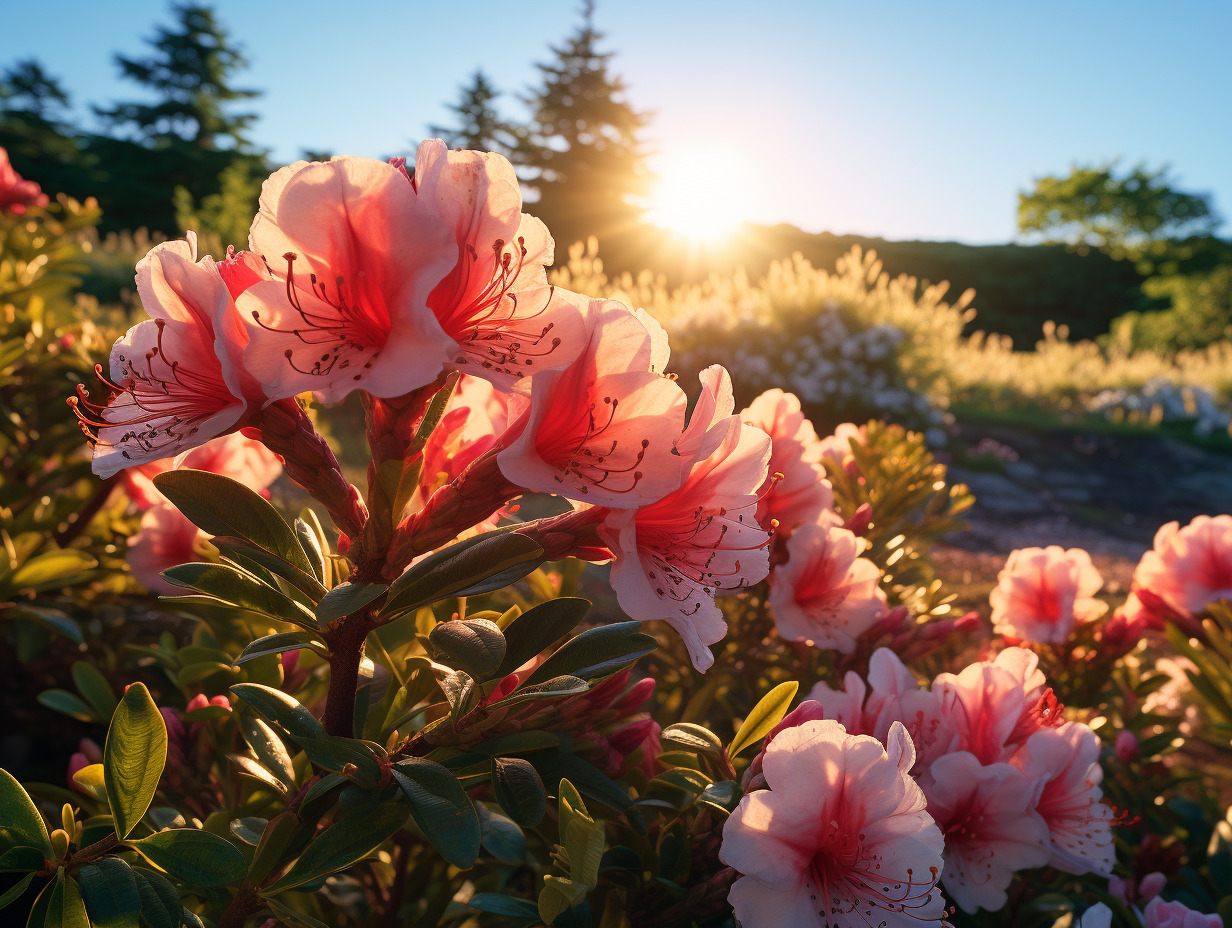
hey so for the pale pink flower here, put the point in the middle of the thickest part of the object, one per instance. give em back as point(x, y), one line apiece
point(1042, 593)
point(1066, 761)
point(1161, 914)
point(673, 555)
point(803, 492)
point(602, 430)
point(17, 193)
point(495, 303)
point(840, 838)
point(353, 254)
point(1190, 567)
point(835, 450)
point(986, 812)
point(826, 594)
point(176, 378)
point(165, 539)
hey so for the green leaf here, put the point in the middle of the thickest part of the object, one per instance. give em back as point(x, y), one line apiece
point(160, 901)
point(343, 843)
point(133, 757)
point(237, 587)
point(328, 751)
point(67, 703)
point(533, 631)
point(556, 688)
point(95, 688)
point(65, 908)
point(692, 737)
point(500, 836)
point(250, 768)
point(20, 822)
point(276, 644)
point(496, 904)
point(312, 540)
point(274, 841)
point(473, 645)
point(519, 790)
point(441, 809)
point(221, 506)
point(292, 917)
point(305, 581)
point(109, 890)
point(477, 565)
point(15, 892)
point(768, 712)
point(51, 570)
point(558, 896)
point(21, 859)
point(580, 835)
point(268, 748)
point(347, 598)
point(596, 652)
point(724, 795)
point(195, 858)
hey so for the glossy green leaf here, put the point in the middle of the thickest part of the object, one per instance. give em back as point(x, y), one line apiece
point(133, 757)
point(268, 748)
point(51, 570)
point(596, 652)
point(109, 890)
point(237, 587)
point(276, 644)
point(69, 704)
point(160, 901)
point(768, 712)
point(519, 790)
point(556, 688)
point(496, 904)
point(347, 598)
point(221, 506)
point(343, 843)
point(65, 907)
point(558, 895)
point(473, 645)
point(250, 768)
point(328, 751)
point(305, 581)
point(21, 859)
point(196, 858)
point(692, 737)
point(15, 892)
point(533, 631)
point(467, 568)
point(275, 839)
point(95, 688)
point(20, 822)
point(441, 809)
point(580, 835)
point(293, 917)
point(500, 836)
point(312, 539)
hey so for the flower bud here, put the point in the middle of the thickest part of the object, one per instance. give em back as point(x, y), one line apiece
point(1126, 747)
point(1151, 885)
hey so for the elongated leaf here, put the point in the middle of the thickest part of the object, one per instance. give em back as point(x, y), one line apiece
point(581, 836)
point(20, 822)
point(692, 738)
point(441, 808)
point(292, 916)
point(530, 633)
point(467, 568)
point(160, 902)
point(556, 688)
point(304, 581)
point(270, 752)
point(500, 836)
point(65, 908)
point(21, 859)
point(276, 644)
point(558, 896)
point(133, 757)
point(273, 844)
point(473, 645)
point(312, 540)
point(768, 712)
point(238, 588)
point(343, 843)
point(109, 890)
point(51, 570)
point(15, 892)
point(95, 688)
point(519, 790)
point(196, 858)
point(496, 904)
point(69, 704)
point(222, 506)
point(345, 599)
point(250, 768)
point(596, 652)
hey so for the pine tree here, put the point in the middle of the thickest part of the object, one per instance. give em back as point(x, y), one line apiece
point(479, 124)
point(587, 161)
point(190, 70)
point(28, 92)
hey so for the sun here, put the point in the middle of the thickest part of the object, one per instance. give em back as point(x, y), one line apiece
point(699, 194)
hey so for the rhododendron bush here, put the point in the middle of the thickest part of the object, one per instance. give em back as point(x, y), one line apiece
point(583, 644)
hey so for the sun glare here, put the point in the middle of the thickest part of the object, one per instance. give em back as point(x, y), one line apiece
point(699, 194)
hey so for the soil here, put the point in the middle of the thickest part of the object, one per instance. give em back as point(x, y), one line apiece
point(1107, 494)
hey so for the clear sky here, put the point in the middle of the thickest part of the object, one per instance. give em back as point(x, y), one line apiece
point(905, 119)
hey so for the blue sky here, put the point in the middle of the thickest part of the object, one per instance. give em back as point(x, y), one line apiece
point(900, 119)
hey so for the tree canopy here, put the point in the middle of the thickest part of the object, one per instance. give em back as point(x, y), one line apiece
point(479, 125)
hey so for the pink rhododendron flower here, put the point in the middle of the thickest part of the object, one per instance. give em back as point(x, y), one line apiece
point(840, 838)
point(602, 430)
point(826, 594)
point(164, 539)
point(353, 254)
point(495, 303)
point(986, 812)
point(17, 193)
point(673, 555)
point(835, 450)
point(476, 415)
point(176, 378)
point(1042, 593)
point(1065, 761)
point(1191, 567)
point(803, 493)
point(1161, 914)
